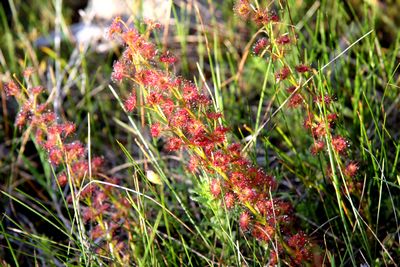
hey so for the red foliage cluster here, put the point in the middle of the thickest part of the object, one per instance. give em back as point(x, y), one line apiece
point(51, 135)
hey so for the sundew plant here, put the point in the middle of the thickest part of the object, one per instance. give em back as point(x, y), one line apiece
point(227, 133)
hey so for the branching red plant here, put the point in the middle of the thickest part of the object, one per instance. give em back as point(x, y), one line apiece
point(51, 135)
point(278, 43)
point(184, 115)
point(107, 209)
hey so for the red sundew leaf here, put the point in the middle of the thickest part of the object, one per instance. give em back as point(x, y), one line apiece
point(241, 162)
point(242, 8)
point(145, 49)
point(149, 51)
point(260, 17)
point(39, 136)
point(36, 90)
point(180, 118)
point(201, 140)
point(97, 231)
point(119, 70)
point(319, 130)
point(48, 117)
point(215, 187)
point(80, 169)
point(154, 98)
point(130, 36)
point(208, 151)
point(220, 159)
point(230, 200)
point(283, 40)
point(238, 179)
point(21, 119)
point(200, 99)
point(130, 102)
point(301, 256)
point(300, 243)
point(193, 164)
point(12, 89)
point(282, 74)
point(244, 220)
point(298, 240)
point(260, 46)
point(302, 68)
point(51, 141)
point(262, 179)
point(99, 198)
point(168, 58)
point(339, 144)
point(195, 127)
point(68, 128)
point(351, 169)
point(62, 179)
point(155, 129)
point(40, 108)
point(55, 129)
point(115, 28)
point(190, 92)
point(264, 207)
point(96, 163)
point(214, 115)
point(146, 77)
point(295, 101)
point(27, 73)
point(283, 208)
point(308, 121)
point(263, 232)
point(235, 149)
point(152, 24)
point(165, 83)
point(168, 107)
point(174, 144)
point(332, 117)
point(219, 134)
point(55, 156)
point(273, 16)
point(247, 193)
point(88, 191)
point(291, 89)
point(317, 147)
point(74, 150)
point(327, 99)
